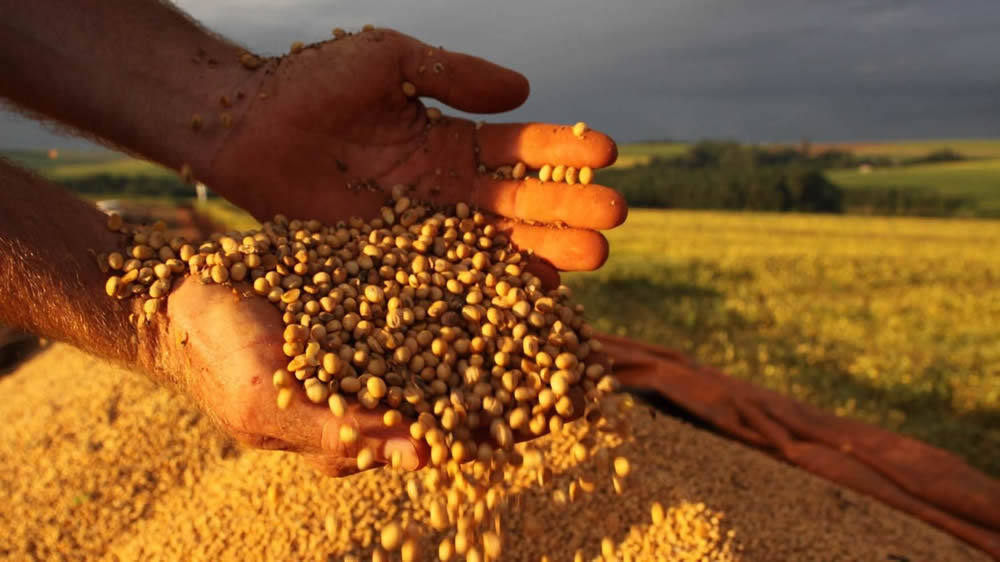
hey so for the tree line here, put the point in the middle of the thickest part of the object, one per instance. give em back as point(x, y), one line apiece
point(728, 175)
point(130, 186)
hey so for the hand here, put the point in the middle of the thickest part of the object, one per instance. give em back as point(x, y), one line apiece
point(231, 347)
point(333, 119)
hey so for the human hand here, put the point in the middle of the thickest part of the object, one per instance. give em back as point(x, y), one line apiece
point(223, 349)
point(332, 120)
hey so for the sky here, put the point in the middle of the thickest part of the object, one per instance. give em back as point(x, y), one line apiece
point(762, 71)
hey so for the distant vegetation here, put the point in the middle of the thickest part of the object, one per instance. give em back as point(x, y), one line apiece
point(103, 174)
point(918, 179)
point(970, 187)
point(718, 175)
point(970, 148)
point(642, 152)
point(118, 186)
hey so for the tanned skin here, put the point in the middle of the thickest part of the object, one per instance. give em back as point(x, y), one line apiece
point(319, 134)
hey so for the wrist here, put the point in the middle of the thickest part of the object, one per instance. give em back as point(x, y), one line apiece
point(152, 350)
point(168, 342)
point(50, 243)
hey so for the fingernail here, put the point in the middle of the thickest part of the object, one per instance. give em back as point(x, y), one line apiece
point(404, 449)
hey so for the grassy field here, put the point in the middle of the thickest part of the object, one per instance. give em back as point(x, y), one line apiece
point(116, 167)
point(84, 163)
point(639, 153)
point(892, 321)
point(39, 160)
point(971, 148)
point(975, 180)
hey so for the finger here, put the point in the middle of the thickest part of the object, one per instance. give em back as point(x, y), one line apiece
point(387, 441)
point(581, 206)
point(335, 467)
point(463, 81)
point(545, 272)
point(566, 249)
point(384, 441)
point(314, 429)
point(263, 442)
point(537, 144)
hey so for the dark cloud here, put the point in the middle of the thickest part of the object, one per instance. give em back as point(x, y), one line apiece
point(762, 70)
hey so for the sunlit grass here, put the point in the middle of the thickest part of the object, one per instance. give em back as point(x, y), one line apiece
point(891, 321)
point(117, 167)
point(635, 154)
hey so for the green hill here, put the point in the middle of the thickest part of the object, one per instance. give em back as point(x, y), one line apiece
point(76, 164)
point(970, 187)
point(971, 148)
point(976, 181)
point(642, 152)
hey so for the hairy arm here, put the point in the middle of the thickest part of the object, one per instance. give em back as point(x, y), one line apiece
point(50, 283)
point(132, 73)
point(314, 133)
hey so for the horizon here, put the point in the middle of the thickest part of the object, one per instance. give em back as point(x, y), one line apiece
point(91, 147)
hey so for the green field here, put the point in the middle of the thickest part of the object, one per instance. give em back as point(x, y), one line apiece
point(892, 321)
point(971, 148)
point(40, 161)
point(83, 163)
point(975, 180)
point(640, 153)
point(117, 167)
point(632, 154)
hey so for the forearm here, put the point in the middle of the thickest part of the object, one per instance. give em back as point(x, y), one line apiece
point(51, 283)
point(135, 73)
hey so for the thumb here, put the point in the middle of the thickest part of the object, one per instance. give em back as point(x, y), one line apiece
point(384, 441)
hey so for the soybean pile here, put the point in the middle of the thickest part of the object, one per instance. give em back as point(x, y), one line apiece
point(110, 466)
point(428, 313)
point(431, 316)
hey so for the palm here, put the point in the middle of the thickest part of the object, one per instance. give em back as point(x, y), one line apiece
point(335, 127)
point(232, 345)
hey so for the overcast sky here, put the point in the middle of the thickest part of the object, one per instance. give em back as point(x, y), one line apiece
point(763, 70)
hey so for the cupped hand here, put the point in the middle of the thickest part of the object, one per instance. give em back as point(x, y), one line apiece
point(224, 347)
point(330, 129)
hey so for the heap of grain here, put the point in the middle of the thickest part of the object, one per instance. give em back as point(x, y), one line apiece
point(112, 466)
point(429, 315)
